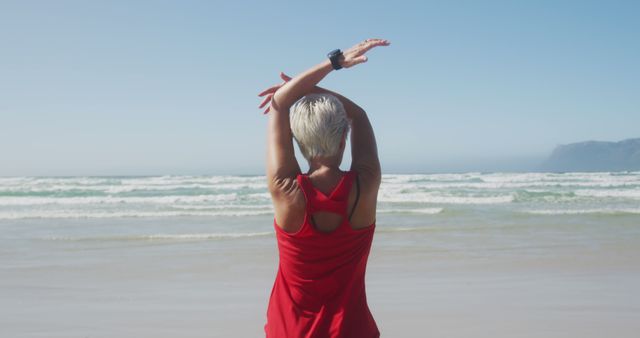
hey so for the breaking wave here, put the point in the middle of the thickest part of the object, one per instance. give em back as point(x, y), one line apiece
point(238, 196)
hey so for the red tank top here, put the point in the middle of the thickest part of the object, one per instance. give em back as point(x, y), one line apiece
point(319, 290)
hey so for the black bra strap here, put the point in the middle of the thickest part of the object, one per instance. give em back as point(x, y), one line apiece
point(357, 197)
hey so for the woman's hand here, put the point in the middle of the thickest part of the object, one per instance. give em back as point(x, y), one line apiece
point(271, 90)
point(355, 55)
point(350, 57)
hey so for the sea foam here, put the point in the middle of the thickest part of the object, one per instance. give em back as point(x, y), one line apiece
point(163, 237)
point(422, 195)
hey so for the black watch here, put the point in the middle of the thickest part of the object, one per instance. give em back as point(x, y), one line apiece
point(334, 56)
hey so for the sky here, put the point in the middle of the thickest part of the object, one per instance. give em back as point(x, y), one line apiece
point(170, 87)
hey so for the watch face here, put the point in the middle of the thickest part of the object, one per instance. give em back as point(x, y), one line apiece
point(333, 53)
point(333, 56)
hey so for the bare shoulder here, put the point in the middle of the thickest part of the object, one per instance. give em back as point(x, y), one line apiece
point(364, 213)
point(288, 203)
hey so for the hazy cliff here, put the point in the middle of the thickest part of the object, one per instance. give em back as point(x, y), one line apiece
point(595, 156)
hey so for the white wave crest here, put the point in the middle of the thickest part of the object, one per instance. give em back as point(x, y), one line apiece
point(114, 185)
point(604, 211)
point(630, 193)
point(222, 206)
point(165, 237)
point(428, 211)
point(7, 215)
point(177, 199)
point(439, 199)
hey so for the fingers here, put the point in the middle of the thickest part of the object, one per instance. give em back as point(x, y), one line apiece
point(266, 100)
point(361, 59)
point(273, 88)
point(270, 89)
point(371, 43)
point(355, 55)
point(363, 47)
point(285, 77)
point(356, 61)
point(383, 41)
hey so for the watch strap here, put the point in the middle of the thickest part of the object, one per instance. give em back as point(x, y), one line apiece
point(334, 57)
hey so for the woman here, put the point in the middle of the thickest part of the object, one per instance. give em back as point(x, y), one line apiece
point(324, 219)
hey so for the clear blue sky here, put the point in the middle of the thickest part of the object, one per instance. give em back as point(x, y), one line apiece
point(169, 87)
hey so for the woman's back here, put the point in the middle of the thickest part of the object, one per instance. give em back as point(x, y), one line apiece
point(361, 202)
point(320, 285)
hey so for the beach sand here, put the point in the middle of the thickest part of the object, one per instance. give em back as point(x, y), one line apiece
point(563, 278)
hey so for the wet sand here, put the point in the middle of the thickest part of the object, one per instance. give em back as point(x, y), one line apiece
point(502, 282)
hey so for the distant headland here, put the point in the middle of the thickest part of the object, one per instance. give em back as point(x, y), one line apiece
point(595, 156)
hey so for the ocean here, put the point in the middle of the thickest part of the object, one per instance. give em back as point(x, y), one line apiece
point(444, 195)
point(551, 254)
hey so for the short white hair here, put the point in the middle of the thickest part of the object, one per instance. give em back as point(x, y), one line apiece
point(318, 122)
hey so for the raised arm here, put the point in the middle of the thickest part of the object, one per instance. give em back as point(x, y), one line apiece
point(364, 151)
point(281, 162)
